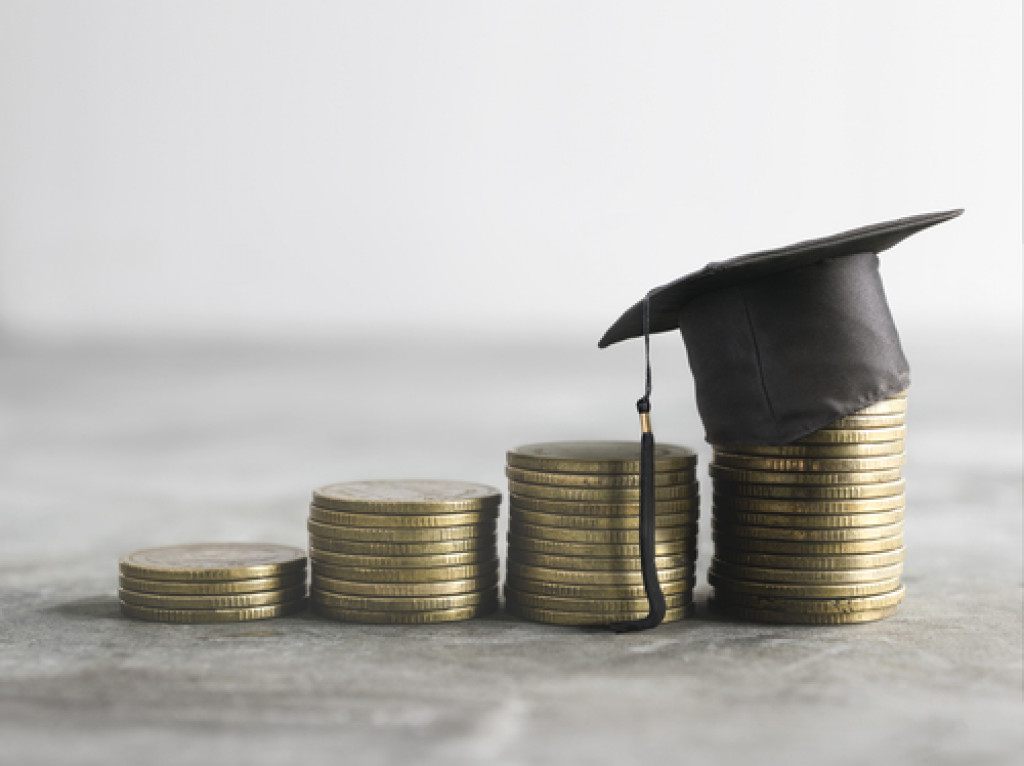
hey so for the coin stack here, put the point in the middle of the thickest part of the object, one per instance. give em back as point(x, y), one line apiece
point(213, 582)
point(812, 532)
point(404, 552)
point(574, 539)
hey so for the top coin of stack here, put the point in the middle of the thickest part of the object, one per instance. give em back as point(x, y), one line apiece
point(812, 531)
point(213, 582)
point(404, 551)
point(574, 539)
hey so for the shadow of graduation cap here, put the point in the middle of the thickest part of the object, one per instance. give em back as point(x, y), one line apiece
point(781, 342)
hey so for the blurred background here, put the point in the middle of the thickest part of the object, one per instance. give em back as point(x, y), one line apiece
point(499, 169)
point(249, 248)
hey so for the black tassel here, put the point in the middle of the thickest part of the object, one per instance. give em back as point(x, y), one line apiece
point(648, 565)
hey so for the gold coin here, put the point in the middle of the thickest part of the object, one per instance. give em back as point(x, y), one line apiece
point(822, 451)
point(868, 421)
point(406, 520)
point(562, 590)
point(813, 507)
point(539, 518)
point(854, 435)
point(810, 521)
point(403, 603)
point(593, 577)
point(193, 616)
point(727, 546)
point(813, 605)
point(406, 575)
point(727, 586)
point(604, 457)
point(844, 534)
point(214, 561)
point(594, 564)
point(806, 464)
point(584, 619)
point(830, 478)
point(401, 535)
point(598, 550)
point(616, 607)
point(319, 556)
point(407, 496)
point(213, 588)
point(437, 588)
point(607, 496)
point(804, 618)
point(406, 618)
point(805, 576)
point(632, 509)
point(793, 561)
point(598, 480)
point(231, 601)
point(811, 492)
point(884, 407)
point(600, 536)
point(359, 548)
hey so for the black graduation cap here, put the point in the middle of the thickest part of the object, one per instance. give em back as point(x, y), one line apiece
point(781, 342)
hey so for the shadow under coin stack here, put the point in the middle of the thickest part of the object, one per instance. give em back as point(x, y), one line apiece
point(213, 582)
point(812, 531)
point(404, 552)
point(574, 540)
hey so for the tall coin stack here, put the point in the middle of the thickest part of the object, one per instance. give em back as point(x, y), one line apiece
point(213, 582)
point(404, 552)
point(574, 540)
point(812, 532)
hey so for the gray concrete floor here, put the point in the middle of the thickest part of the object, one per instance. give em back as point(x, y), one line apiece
point(110, 447)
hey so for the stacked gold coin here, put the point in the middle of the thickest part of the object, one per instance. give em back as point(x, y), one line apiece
point(404, 552)
point(213, 582)
point(574, 531)
point(812, 532)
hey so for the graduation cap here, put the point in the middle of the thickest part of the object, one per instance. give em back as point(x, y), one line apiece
point(781, 343)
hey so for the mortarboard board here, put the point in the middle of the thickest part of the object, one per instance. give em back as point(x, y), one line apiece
point(781, 342)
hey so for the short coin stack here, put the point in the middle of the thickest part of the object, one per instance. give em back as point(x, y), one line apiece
point(213, 582)
point(812, 532)
point(574, 540)
point(404, 552)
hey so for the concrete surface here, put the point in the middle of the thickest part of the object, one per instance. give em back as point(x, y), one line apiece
point(107, 448)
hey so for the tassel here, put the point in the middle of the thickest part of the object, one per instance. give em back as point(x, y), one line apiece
point(655, 598)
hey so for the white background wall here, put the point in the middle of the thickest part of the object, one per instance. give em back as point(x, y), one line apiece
point(512, 168)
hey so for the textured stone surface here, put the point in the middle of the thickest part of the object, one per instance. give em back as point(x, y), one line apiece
point(108, 448)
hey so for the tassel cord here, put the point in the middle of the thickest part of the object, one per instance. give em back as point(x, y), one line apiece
point(648, 565)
